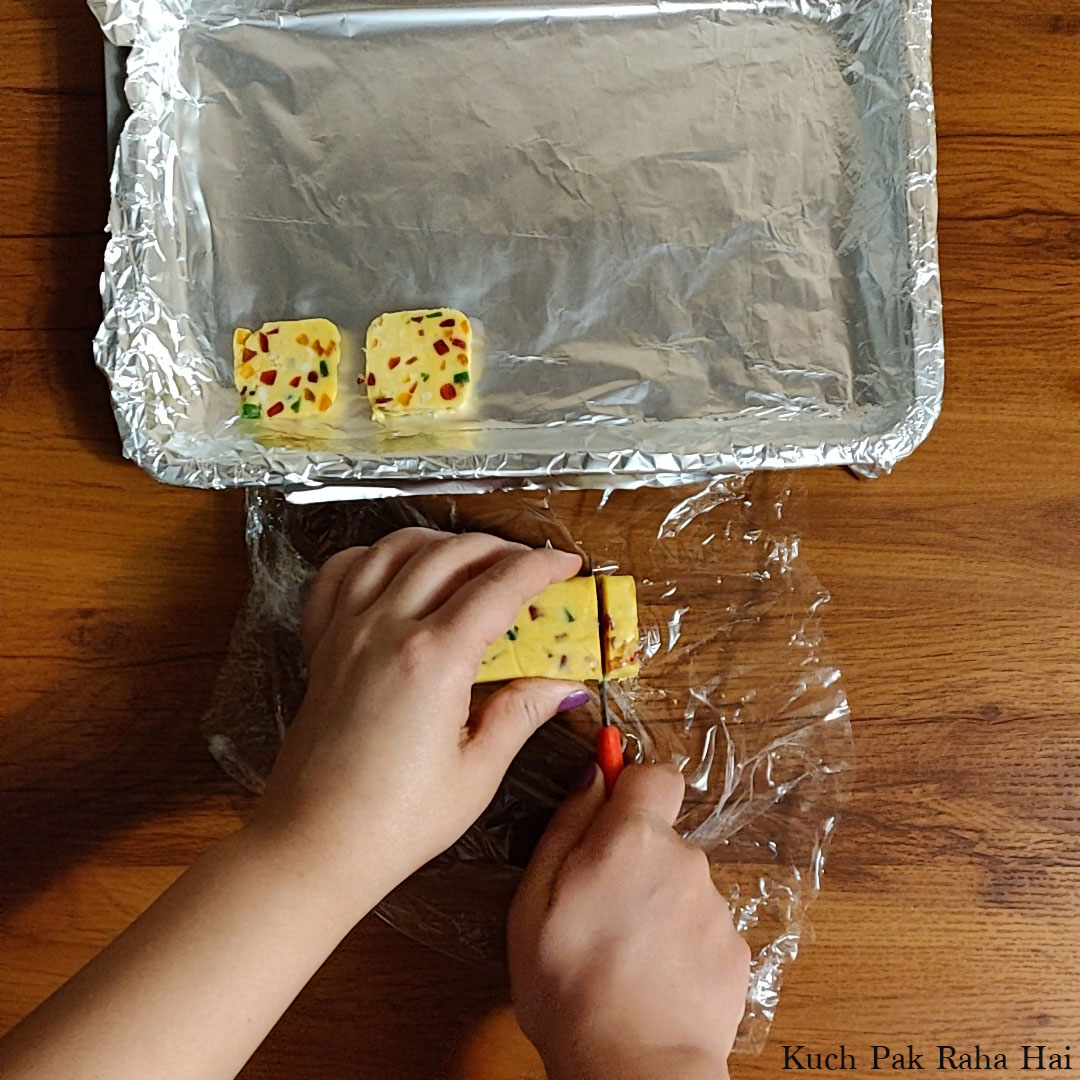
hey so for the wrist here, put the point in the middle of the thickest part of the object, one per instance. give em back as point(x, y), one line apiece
point(336, 883)
point(639, 1063)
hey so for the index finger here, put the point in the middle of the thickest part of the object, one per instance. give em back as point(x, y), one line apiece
point(484, 608)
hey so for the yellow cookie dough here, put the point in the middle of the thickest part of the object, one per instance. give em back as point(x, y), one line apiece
point(558, 635)
point(619, 627)
point(286, 370)
point(418, 362)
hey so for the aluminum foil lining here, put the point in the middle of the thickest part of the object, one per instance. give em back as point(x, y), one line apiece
point(699, 237)
point(736, 688)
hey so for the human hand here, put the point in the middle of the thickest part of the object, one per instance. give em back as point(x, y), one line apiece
point(383, 768)
point(624, 963)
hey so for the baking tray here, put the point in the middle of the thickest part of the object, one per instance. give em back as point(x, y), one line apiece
point(700, 238)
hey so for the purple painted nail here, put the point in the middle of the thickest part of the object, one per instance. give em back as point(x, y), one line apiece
point(585, 781)
point(574, 700)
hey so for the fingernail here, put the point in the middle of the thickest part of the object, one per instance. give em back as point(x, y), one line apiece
point(574, 700)
point(585, 781)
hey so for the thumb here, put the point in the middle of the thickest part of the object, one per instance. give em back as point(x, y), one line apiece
point(503, 724)
point(563, 834)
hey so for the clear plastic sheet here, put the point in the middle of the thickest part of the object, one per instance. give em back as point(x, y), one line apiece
point(735, 688)
point(700, 237)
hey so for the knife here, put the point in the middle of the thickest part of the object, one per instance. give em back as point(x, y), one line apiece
point(609, 746)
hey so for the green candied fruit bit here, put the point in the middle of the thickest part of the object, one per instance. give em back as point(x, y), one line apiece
point(461, 377)
point(434, 315)
point(569, 617)
point(250, 412)
point(425, 376)
point(512, 633)
point(295, 406)
point(323, 369)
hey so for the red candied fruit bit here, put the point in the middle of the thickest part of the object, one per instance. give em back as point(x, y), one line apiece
point(276, 330)
point(534, 612)
point(275, 409)
point(264, 345)
point(312, 376)
point(562, 660)
point(269, 378)
point(412, 359)
point(442, 348)
point(381, 400)
point(248, 354)
point(418, 318)
point(371, 378)
point(457, 343)
point(393, 362)
point(447, 392)
point(295, 382)
point(447, 322)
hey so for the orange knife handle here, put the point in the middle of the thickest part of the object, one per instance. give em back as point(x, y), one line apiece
point(609, 755)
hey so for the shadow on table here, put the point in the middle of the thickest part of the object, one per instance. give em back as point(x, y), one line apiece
point(65, 215)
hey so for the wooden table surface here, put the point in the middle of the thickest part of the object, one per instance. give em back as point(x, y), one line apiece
point(951, 905)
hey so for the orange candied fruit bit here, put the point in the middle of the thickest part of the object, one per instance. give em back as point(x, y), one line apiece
point(324, 403)
point(309, 394)
point(247, 370)
point(465, 326)
point(301, 339)
point(404, 398)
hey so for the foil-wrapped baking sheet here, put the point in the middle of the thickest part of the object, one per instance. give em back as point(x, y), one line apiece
point(699, 237)
point(736, 688)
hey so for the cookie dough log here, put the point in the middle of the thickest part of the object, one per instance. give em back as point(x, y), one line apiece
point(619, 639)
point(286, 370)
point(557, 636)
point(418, 362)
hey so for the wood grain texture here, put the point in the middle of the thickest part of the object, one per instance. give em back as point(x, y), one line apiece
point(951, 900)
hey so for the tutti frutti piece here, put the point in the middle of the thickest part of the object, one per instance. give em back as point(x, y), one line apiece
point(286, 370)
point(558, 636)
point(418, 362)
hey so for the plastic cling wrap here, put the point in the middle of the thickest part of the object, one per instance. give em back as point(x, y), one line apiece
point(734, 689)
